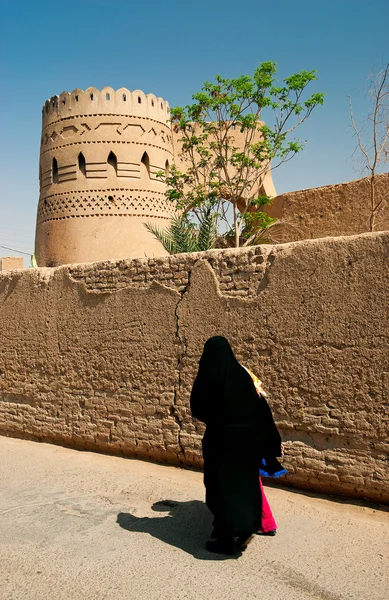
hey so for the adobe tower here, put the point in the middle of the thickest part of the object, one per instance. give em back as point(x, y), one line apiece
point(100, 152)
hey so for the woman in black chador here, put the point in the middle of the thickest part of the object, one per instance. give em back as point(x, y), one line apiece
point(240, 433)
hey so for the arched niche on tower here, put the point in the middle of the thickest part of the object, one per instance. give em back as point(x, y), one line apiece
point(77, 96)
point(139, 103)
point(54, 170)
point(123, 100)
point(145, 167)
point(81, 164)
point(64, 100)
point(152, 102)
point(108, 97)
point(112, 164)
point(91, 95)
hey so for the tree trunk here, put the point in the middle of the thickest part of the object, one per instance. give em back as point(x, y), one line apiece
point(372, 202)
point(236, 225)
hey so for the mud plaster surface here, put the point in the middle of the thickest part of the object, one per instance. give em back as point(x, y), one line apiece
point(103, 355)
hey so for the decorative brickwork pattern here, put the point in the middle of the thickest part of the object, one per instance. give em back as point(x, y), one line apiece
point(114, 202)
point(92, 142)
point(101, 152)
point(238, 273)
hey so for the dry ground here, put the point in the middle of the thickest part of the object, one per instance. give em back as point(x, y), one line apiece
point(82, 526)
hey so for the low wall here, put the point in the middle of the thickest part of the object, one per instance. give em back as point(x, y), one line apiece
point(9, 263)
point(103, 355)
point(341, 209)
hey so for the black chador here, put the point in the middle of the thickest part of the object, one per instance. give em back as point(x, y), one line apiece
point(240, 431)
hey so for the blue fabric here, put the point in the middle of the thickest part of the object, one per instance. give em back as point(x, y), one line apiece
point(266, 470)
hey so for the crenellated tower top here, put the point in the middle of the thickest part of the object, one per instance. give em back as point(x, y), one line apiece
point(106, 101)
point(100, 155)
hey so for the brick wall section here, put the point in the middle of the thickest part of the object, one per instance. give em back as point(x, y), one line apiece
point(341, 209)
point(10, 263)
point(238, 273)
point(103, 356)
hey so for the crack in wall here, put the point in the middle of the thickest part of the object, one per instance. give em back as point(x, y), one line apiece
point(182, 344)
point(265, 279)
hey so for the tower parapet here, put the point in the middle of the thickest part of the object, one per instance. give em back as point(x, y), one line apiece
point(100, 155)
point(105, 101)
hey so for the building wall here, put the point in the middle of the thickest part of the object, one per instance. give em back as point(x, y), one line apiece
point(10, 263)
point(103, 356)
point(99, 158)
point(341, 209)
point(100, 153)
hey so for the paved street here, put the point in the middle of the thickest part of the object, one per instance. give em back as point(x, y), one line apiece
point(82, 526)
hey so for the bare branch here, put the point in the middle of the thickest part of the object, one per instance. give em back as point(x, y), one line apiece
point(361, 145)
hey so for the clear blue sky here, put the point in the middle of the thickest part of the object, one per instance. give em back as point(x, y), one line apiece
point(170, 48)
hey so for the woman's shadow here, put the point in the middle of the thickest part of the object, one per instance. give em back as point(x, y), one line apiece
point(185, 526)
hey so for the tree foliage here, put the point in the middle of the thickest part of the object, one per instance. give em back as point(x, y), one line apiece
point(183, 236)
point(226, 149)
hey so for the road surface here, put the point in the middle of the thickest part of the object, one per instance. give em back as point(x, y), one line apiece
point(84, 526)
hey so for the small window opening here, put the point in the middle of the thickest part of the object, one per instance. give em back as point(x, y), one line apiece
point(167, 168)
point(91, 96)
point(63, 101)
point(107, 97)
point(145, 170)
point(82, 164)
point(124, 97)
point(233, 126)
point(47, 108)
point(161, 106)
point(189, 127)
point(139, 100)
point(54, 171)
point(112, 161)
point(76, 97)
point(110, 198)
point(152, 102)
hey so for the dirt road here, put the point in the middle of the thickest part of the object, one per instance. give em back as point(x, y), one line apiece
point(82, 526)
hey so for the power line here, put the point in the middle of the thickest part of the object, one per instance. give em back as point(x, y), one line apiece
point(10, 233)
point(18, 251)
point(4, 239)
point(26, 246)
point(18, 230)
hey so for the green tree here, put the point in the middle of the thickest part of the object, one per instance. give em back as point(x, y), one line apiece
point(183, 236)
point(227, 150)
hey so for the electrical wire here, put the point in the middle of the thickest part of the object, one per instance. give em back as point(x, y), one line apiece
point(13, 229)
point(18, 251)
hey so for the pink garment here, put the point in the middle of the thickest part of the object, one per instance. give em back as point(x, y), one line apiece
point(268, 522)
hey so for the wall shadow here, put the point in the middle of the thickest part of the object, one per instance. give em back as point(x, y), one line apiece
point(187, 526)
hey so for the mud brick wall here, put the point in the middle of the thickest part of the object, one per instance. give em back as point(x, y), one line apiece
point(340, 209)
point(102, 356)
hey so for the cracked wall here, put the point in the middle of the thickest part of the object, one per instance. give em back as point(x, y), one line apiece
point(102, 356)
